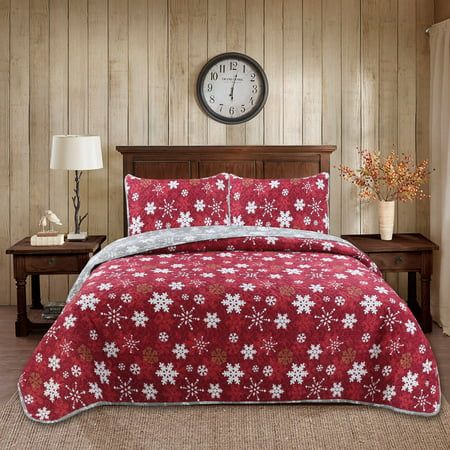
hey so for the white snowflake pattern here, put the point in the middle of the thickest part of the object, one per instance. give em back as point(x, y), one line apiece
point(282, 321)
point(186, 317)
point(160, 301)
point(233, 303)
point(185, 219)
point(113, 316)
point(167, 373)
point(139, 318)
point(233, 373)
point(315, 388)
point(314, 351)
point(192, 389)
point(297, 373)
point(357, 371)
point(51, 390)
point(215, 391)
point(326, 318)
point(149, 391)
point(102, 372)
point(125, 389)
point(95, 390)
point(389, 393)
point(303, 304)
point(111, 349)
point(43, 413)
point(372, 389)
point(254, 389)
point(257, 318)
point(136, 225)
point(88, 301)
point(410, 381)
point(248, 351)
point(211, 320)
point(370, 304)
point(180, 351)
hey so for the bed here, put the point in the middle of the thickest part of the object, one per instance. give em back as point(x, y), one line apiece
point(228, 289)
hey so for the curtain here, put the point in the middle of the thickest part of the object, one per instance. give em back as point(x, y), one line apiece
point(440, 177)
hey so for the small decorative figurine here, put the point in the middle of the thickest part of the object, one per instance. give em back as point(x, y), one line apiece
point(49, 219)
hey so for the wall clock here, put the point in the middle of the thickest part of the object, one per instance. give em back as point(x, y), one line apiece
point(232, 88)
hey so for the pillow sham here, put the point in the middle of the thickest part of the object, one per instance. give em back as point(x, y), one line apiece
point(300, 203)
point(156, 204)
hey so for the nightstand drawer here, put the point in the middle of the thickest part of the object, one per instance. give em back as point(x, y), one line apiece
point(55, 264)
point(400, 261)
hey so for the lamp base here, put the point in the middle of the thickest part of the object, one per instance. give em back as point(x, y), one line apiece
point(77, 236)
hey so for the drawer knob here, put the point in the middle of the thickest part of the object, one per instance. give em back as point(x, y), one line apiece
point(51, 261)
point(398, 259)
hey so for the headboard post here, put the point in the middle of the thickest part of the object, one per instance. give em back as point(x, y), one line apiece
point(253, 161)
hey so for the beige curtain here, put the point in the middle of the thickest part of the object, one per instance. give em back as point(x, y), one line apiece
point(440, 162)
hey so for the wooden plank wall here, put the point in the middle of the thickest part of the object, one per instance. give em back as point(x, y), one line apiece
point(345, 72)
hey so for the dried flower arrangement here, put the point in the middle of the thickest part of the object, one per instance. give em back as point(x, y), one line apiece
point(395, 177)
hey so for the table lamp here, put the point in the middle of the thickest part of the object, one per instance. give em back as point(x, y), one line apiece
point(78, 153)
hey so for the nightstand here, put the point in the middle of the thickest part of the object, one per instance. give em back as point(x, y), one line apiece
point(69, 258)
point(407, 252)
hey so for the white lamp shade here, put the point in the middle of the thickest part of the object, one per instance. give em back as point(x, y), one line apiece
point(74, 152)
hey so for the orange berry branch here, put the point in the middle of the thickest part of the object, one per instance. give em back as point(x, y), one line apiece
point(394, 177)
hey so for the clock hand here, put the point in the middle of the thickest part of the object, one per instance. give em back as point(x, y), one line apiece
point(232, 88)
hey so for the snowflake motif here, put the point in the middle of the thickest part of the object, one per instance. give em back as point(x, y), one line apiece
point(130, 344)
point(337, 390)
point(389, 393)
point(215, 390)
point(390, 319)
point(370, 304)
point(303, 304)
point(282, 321)
point(139, 318)
point(186, 317)
point(43, 413)
point(257, 319)
point(394, 347)
point(269, 345)
point(149, 391)
point(125, 389)
point(297, 373)
point(160, 302)
point(75, 395)
point(326, 319)
point(254, 389)
point(216, 208)
point(136, 225)
point(233, 303)
point(102, 372)
point(410, 381)
point(335, 345)
point(285, 219)
point(168, 208)
point(51, 390)
point(314, 351)
point(167, 373)
point(357, 371)
point(372, 389)
point(200, 345)
point(66, 347)
point(211, 320)
point(111, 349)
point(95, 390)
point(192, 389)
point(113, 316)
point(315, 388)
point(52, 333)
point(185, 219)
point(248, 351)
point(180, 351)
point(268, 207)
point(233, 373)
point(53, 363)
point(422, 401)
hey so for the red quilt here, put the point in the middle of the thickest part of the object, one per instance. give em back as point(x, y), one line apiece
point(262, 319)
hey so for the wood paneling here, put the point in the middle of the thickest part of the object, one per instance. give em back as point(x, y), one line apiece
point(346, 72)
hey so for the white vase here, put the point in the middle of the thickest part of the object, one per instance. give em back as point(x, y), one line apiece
point(386, 215)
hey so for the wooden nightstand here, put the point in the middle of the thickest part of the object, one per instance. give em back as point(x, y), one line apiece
point(407, 252)
point(69, 258)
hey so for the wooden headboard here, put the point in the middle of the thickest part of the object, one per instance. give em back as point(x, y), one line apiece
point(256, 161)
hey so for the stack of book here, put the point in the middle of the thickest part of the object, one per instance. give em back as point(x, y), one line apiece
point(52, 311)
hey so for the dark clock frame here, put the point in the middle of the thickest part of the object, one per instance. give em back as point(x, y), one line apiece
point(204, 103)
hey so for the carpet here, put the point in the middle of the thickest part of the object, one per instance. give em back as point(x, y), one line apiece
point(228, 427)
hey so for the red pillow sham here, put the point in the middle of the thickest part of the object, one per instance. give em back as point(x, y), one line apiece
point(300, 203)
point(157, 204)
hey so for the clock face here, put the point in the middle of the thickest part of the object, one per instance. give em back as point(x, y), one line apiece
point(232, 88)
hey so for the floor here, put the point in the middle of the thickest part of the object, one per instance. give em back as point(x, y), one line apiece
point(14, 353)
